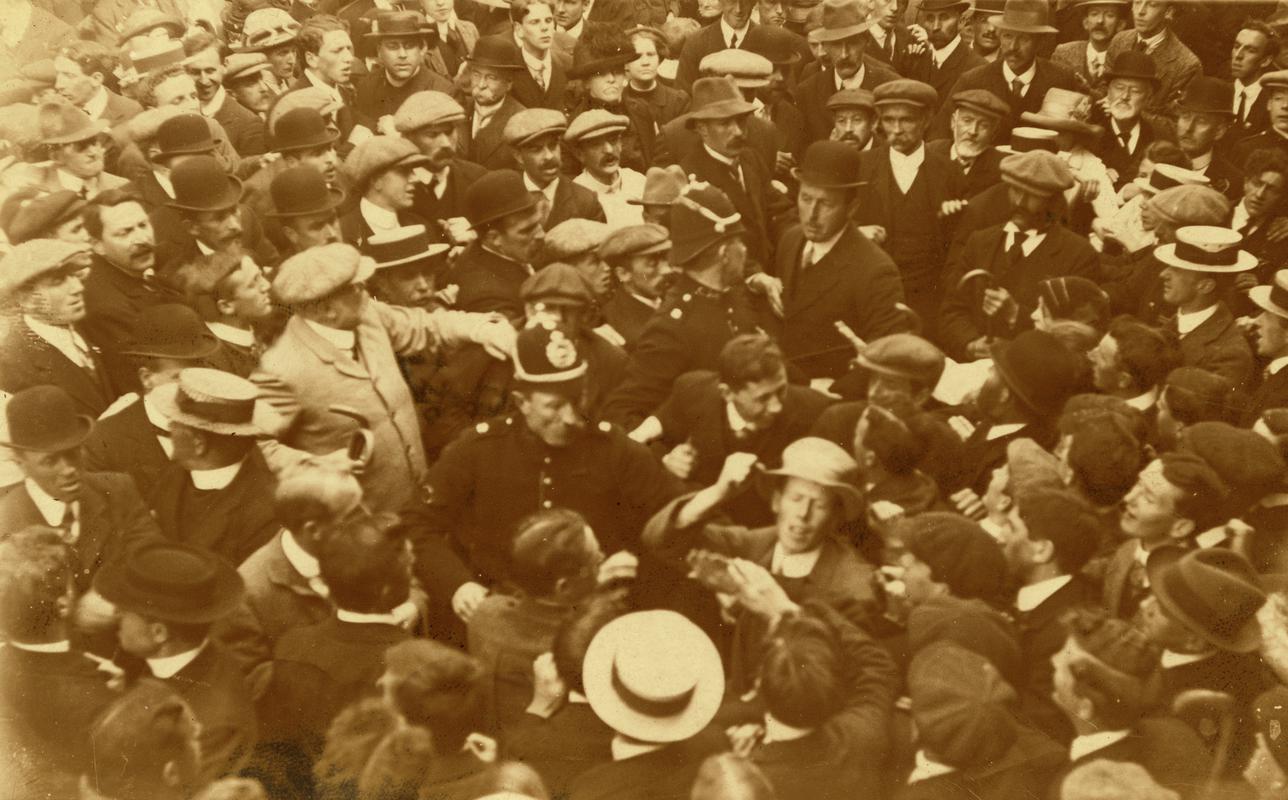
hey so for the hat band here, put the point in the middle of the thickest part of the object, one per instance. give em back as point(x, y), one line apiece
point(232, 412)
point(1279, 296)
point(1023, 144)
point(1159, 181)
point(177, 596)
point(1226, 257)
point(1224, 625)
point(651, 708)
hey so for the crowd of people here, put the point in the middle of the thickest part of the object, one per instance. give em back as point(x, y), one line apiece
point(710, 399)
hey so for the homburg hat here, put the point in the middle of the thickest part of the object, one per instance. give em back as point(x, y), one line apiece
point(662, 185)
point(62, 123)
point(171, 581)
point(717, 98)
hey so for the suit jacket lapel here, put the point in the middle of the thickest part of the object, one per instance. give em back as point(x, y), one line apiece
point(818, 280)
point(324, 350)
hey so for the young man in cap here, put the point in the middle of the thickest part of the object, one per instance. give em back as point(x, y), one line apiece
point(1272, 346)
point(1131, 80)
point(576, 243)
point(169, 595)
point(82, 69)
point(134, 437)
point(844, 38)
point(947, 55)
point(432, 121)
point(977, 116)
point(542, 77)
point(493, 67)
point(1029, 247)
point(33, 214)
point(381, 171)
point(272, 32)
point(205, 63)
point(638, 257)
point(304, 209)
point(77, 149)
point(101, 512)
point(854, 118)
point(1019, 76)
point(146, 745)
point(1275, 86)
point(535, 135)
point(1152, 34)
point(248, 77)
point(706, 307)
point(1203, 118)
point(1088, 58)
point(42, 280)
point(595, 137)
point(230, 292)
point(207, 216)
point(400, 41)
point(340, 347)
point(507, 221)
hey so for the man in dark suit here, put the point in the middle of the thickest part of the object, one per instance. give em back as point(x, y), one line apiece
point(890, 42)
point(1153, 34)
point(168, 596)
point(947, 55)
point(1272, 346)
point(432, 120)
point(1275, 136)
point(977, 116)
point(327, 51)
point(381, 171)
point(493, 69)
point(729, 32)
point(1203, 118)
point(1019, 76)
point(1253, 55)
point(43, 346)
point(507, 220)
point(543, 71)
point(1089, 58)
point(991, 286)
point(1130, 80)
point(400, 39)
point(244, 127)
point(830, 271)
point(101, 512)
point(535, 135)
point(637, 255)
point(844, 37)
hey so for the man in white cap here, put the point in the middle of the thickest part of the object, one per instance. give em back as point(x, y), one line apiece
point(1272, 346)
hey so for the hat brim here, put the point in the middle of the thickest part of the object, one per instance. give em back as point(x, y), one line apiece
point(722, 109)
point(230, 198)
point(419, 34)
point(851, 498)
point(1000, 353)
point(823, 181)
point(267, 45)
point(597, 133)
point(1167, 254)
point(477, 62)
point(1013, 27)
point(226, 595)
point(70, 441)
point(1152, 79)
point(191, 150)
point(840, 34)
point(648, 201)
point(1060, 124)
point(601, 64)
point(335, 199)
point(683, 253)
point(96, 128)
point(436, 249)
point(504, 212)
point(1260, 295)
point(264, 421)
point(608, 704)
point(1246, 639)
point(327, 138)
point(559, 130)
point(258, 69)
point(205, 344)
point(1226, 112)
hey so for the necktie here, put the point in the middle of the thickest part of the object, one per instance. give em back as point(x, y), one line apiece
point(1141, 46)
point(1017, 88)
point(733, 41)
point(67, 527)
point(1016, 250)
point(541, 76)
point(807, 257)
point(84, 191)
point(1125, 136)
point(1242, 110)
point(542, 203)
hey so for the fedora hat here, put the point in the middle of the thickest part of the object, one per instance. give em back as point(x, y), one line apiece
point(702, 216)
point(62, 123)
point(406, 245)
point(1165, 176)
point(1041, 372)
point(827, 464)
point(1273, 298)
point(184, 134)
point(497, 52)
point(829, 165)
point(171, 581)
point(1132, 64)
point(1213, 592)
point(217, 402)
point(170, 330)
point(845, 19)
point(266, 28)
point(662, 185)
point(1025, 16)
point(497, 194)
point(1064, 110)
point(43, 419)
point(302, 191)
point(301, 128)
point(1208, 95)
point(717, 98)
point(1206, 248)
point(201, 184)
point(653, 676)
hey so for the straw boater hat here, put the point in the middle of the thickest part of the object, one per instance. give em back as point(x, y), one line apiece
point(1273, 298)
point(406, 245)
point(1207, 248)
point(217, 402)
point(1165, 176)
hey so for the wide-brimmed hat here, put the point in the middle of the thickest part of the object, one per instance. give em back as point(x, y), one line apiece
point(1165, 176)
point(301, 129)
point(1026, 16)
point(44, 419)
point(1273, 298)
point(217, 402)
point(845, 19)
point(171, 581)
point(170, 330)
point(184, 135)
point(399, 25)
point(406, 245)
point(653, 676)
point(497, 194)
point(497, 52)
point(823, 462)
point(701, 217)
point(63, 123)
point(749, 70)
point(266, 28)
point(662, 185)
point(1206, 248)
point(1208, 95)
point(717, 98)
point(546, 354)
point(1132, 64)
point(1041, 372)
point(1214, 592)
point(302, 191)
point(29, 217)
point(1064, 110)
point(829, 165)
point(201, 184)
point(30, 260)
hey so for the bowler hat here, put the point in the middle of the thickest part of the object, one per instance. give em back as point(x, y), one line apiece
point(635, 240)
point(320, 271)
point(545, 354)
point(497, 52)
point(399, 25)
point(1026, 16)
point(62, 123)
point(845, 19)
point(217, 402)
point(829, 165)
point(557, 284)
point(171, 581)
point(1273, 298)
point(904, 355)
point(497, 194)
point(301, 129)
point(302, 191)
point(982, 101)
point(406, 245)
point(427, 108)
point(201, 184)
point(823, 462)
point(170, 330)
point(597, 53)
point(1063, 110)
point(1214, 593)
point(267, 28)
point(906, 91)
point(852, 98)
point(702, 216)
point(1206, 248)
point(184, 134)
point(989, 7)
point(1037, 171)
point(32, 259)
point(43, 419)
point(717, 98)
point(749, 70)
point(36, 215)
point(533, 123)
point(1040, 371)
point(943, 5)
point(662, 185)
point(1075, 297)
point(1208, 95)
point(244, 66)
point(776, 44)
point(653, 676)
point(1132, 64)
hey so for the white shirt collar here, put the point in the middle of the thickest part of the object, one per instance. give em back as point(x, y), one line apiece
point(97, 104)
point(342, 339)
point(1035, 594)
point(1200, 163)
point(163, 180)
point(205, 249)
point(1252, 90)
point(169, 666)
point(62, 338)
point(1031, 242)
point(1274, 366)
point(793, 565)
point(44, 647)
point(924, 769)
point(380, 219)
point(998, 431)
point(726, 31)
point(1240, 217)
point(575, 30)
point(549, 191)
point(623, 749)
point(1096, 56)
point(819, 250)
point(577, 697)
point(52, 509)
point(316, 80)
point(300, 560)
point(736, 422)
point(232, 334)
point(652, 302)
point(943, 55)
point(1171, 659)
point(880, 34)
point(74, 183)
point(17, 18)
point(213, 480)
point(154, 414)
point(906, 167)
point(597, 186)
point(1144, 402)
point(1153, 41)
point(1187, 322)
point(365, 619)
point(1091, 742)
point(721, 157)
point(778, 731)
point(1026, 77)
point(545, 63)
point(853, 82)
point(217, 102)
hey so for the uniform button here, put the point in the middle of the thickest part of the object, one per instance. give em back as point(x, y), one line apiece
point(546, 459)
point(546, 504)
point(547, 481)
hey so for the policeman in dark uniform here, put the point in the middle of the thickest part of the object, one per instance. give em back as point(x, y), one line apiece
point(546, 455)
point(708, 305)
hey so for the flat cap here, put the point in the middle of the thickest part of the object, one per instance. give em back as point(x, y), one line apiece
point(378, 154)
point(908, 91)
point(595, 123)
point(852, 98)
point(960, 705)
point(574, 237)
point(1037, 171)
point(1191, 204)
point(423, 109)
point(533, 123)
point(1277, 79)
point(35, 258)
point(38, 214)
point(983, 101)
point(635, 240)
point(749, 70)
point(319, 271)
point(314, 97)
point(904, 355)
point(245, 65)
point(559, 284)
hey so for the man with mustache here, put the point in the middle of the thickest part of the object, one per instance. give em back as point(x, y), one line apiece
point(1089, 58)
point(492, 70)
point(596, 138)
point(946, 55)
point(536, 135)
point(844, 37)
point(77, 148)
point(432, 121)
point(854, 115)
point(1203, 117)
point(400, 40)
point(1131, 80)
point(206, 66)
point(977, 114)
point(381, 170)
point(1152, 34)
point(984, 37)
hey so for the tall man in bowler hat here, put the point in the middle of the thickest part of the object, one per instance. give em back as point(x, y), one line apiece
point(492, 68)
point(305, 209)
point(507, 222)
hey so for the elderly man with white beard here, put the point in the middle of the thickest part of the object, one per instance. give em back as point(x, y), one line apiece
point(1132, 80)
point(977, 115)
